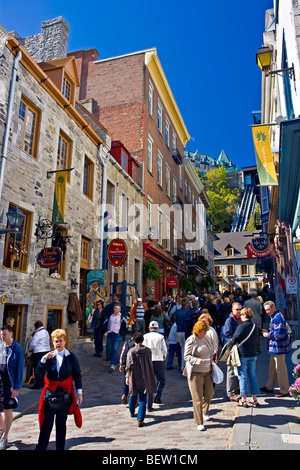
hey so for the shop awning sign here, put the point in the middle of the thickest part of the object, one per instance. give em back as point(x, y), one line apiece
point(172, 282)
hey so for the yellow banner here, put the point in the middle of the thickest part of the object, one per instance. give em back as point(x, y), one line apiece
point(58, 212)
point(264, 158)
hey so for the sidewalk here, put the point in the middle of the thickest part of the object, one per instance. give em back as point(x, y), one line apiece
point(274, 425)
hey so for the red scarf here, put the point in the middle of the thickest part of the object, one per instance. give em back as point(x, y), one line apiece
point(67, 386)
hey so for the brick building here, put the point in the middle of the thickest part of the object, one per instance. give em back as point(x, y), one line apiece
point(133, 99)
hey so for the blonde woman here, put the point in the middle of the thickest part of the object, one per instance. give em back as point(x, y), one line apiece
point(58, 398)
point(212, 334)
point(198, 354)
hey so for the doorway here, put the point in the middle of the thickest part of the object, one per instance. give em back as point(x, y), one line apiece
point(15, 312)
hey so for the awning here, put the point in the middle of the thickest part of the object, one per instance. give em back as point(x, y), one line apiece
point(289, 172)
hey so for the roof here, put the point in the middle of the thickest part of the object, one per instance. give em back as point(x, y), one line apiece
point(236, 240)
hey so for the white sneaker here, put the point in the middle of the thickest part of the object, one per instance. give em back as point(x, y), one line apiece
point(3, 443)
point(200, 427)
point(206, 417)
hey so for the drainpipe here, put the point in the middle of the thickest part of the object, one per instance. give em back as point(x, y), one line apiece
point(103, 206)
point(9, 118)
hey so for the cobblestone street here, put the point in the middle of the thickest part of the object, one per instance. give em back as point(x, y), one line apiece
point(107, 424)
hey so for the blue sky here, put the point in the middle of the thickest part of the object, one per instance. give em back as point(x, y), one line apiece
point(206, 48)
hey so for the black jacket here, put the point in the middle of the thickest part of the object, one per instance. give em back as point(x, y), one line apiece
point(248, 348)
point(70, 366)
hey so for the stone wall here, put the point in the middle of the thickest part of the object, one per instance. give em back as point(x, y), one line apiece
point(51, 43)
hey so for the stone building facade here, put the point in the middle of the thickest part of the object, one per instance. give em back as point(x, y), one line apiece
point(48, 131)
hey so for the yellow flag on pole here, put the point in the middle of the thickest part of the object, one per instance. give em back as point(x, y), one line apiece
point(58, 212)
point(264, 158)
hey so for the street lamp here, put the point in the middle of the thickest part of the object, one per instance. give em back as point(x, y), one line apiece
point(264, 59)
point(15, 219)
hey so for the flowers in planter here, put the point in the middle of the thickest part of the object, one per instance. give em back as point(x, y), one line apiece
point(294, 389)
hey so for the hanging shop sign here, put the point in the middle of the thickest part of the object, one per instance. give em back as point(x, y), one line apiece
point(260, 247)
point(49, 257)
point(117, 252)
point(172, 282)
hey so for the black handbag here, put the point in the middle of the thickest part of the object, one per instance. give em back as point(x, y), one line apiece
point(56, 400)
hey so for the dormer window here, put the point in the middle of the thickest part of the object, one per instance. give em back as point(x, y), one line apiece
point(63, 73)
point(229, 252)
point(66, 89)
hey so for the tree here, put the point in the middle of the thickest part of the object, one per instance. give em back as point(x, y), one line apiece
point(223, 199)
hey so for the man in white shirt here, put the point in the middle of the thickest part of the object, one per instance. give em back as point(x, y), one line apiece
point(156, 342)
point(40, 345)
point(114, 336)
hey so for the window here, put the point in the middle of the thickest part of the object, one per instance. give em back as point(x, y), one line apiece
point(186, 187)
point(168, 181)
point(168, 235)
point(245, 286)
point(218, 271)
point(149, 210)
point(180, 176)
point(124, 161)
point(160, 227)
point(67, 88)
point(230, 270)
point(124, 210)
point(64, 153)
point(174, 190)
point(190, 194)
point(150, 102)
point(159, 169)
point(159, 117)
point(175, 236)
point(167, 132)
point(258, 286)
point(85, 250)
point(264, 199)
point(229, 252)
point(150, 147)
point(244, 269)
point(28, 127)
point(174, 142)
point(17, 245)
point(88, 176)
point(54, 318)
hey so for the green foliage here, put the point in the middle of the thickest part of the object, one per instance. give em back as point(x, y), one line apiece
point(251, 224)
point(151, 270)
point(223, 199)
point(187, 284)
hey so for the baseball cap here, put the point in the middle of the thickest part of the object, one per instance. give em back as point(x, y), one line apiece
point(154, 324)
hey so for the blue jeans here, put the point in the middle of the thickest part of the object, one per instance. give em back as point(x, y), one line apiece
point(174, 349)
point(246, 370)
point(113, 343)
point(142, 405)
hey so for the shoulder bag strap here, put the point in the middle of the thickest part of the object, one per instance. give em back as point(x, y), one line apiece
point(247, 336)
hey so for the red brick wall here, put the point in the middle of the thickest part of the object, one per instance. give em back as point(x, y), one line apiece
point(118, 87)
